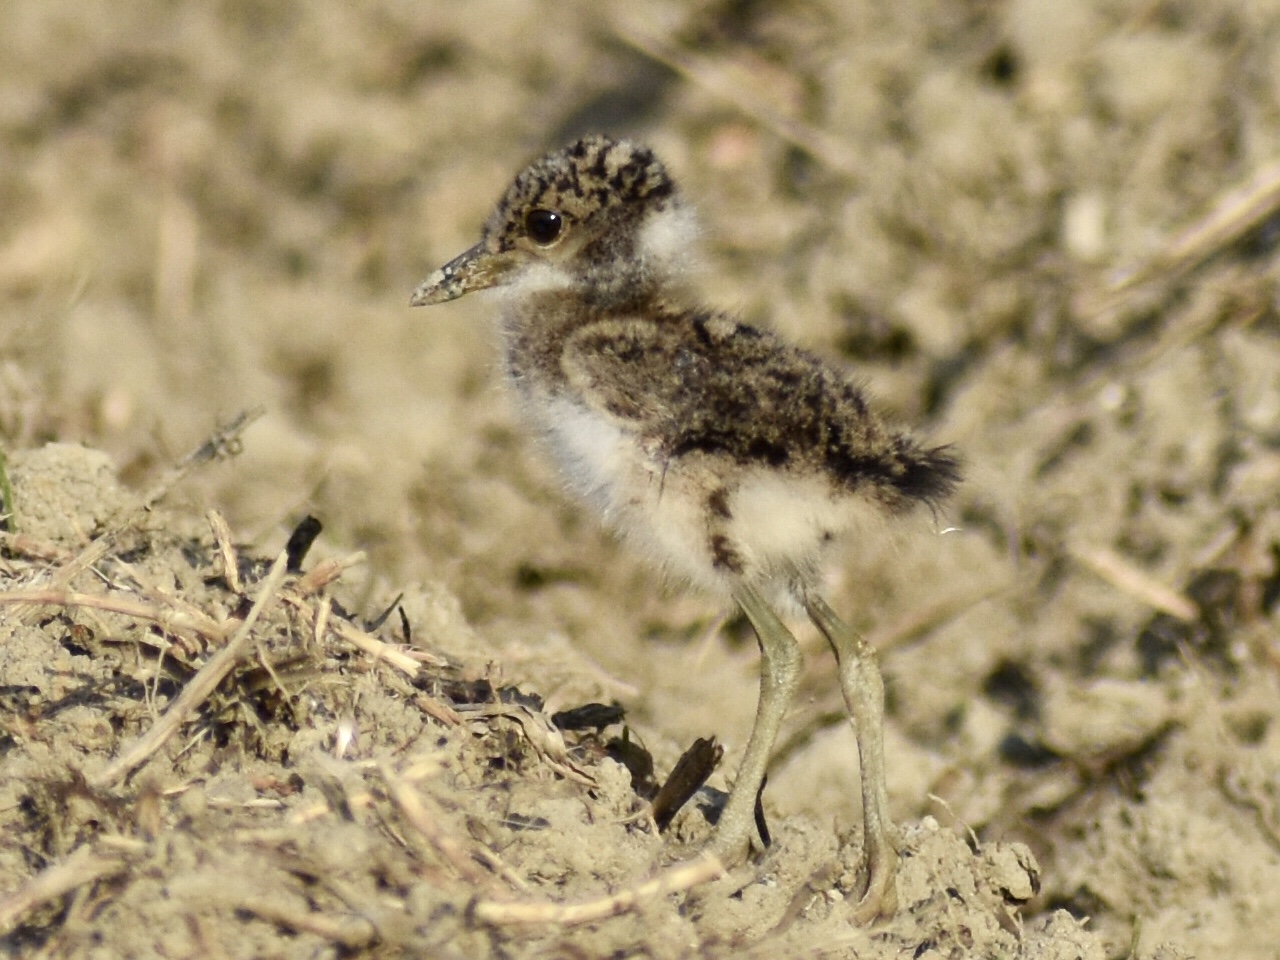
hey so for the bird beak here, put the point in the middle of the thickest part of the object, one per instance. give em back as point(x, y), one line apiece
point(474, 269)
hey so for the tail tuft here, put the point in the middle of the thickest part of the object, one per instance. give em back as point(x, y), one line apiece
point(928, 476)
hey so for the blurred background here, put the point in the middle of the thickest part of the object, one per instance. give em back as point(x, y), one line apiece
point(979, 207)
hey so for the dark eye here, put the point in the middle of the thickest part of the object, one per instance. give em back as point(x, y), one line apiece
point(543, 226)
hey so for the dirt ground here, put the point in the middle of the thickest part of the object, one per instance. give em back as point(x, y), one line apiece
point(1044, 232)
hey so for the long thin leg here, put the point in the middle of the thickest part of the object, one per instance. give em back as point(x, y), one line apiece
point(779, 675)
point(863, 691)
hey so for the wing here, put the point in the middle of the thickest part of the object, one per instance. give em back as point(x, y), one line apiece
point(634, 371)
point(707, 385)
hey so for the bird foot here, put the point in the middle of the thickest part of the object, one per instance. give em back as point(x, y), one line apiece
point(881, 896)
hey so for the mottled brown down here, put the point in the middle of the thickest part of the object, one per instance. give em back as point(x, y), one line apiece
point(726, 455)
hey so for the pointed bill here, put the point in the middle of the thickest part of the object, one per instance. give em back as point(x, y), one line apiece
point(474, 269)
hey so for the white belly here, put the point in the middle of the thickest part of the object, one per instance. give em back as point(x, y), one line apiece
point(779, 522)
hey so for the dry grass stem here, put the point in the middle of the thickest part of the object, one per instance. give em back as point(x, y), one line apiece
point(326, 572)
point(1124, 576)
point(84, 866)
point(321, 622)
point(169, 620)
point(376, 648)
point(920, 623)
point(422, 816)
point(438, 709)
point(702, 72)
point(167, 599)
point(25, 545)
point(226, 551)
point(1241, 790)
point(350, 932)
point(197, 690)
point(223, 443)
point(539, 732)
point(673, 880)
point(1236, 212)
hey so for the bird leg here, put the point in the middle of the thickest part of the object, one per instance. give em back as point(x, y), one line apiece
point(863, 691)
point(779, 676)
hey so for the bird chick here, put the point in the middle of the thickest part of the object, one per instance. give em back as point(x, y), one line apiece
point(725, 455)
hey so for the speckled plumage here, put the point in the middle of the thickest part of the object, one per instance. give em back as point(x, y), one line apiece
point(600, 323)
point(728, 456)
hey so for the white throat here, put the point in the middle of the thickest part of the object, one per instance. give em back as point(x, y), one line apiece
point(535, 277)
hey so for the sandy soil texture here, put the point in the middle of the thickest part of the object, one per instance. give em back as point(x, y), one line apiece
point(1042, 231)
